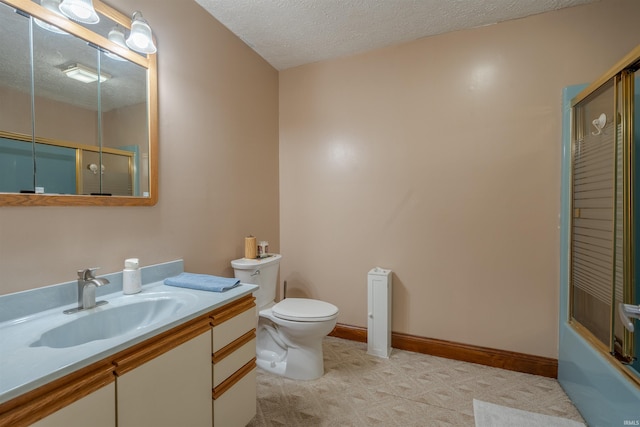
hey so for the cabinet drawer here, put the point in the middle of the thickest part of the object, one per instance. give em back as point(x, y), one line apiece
point(237, 406)
point(230, 330)
point(234, 361)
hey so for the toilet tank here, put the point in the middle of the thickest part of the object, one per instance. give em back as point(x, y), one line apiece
point(262, 272)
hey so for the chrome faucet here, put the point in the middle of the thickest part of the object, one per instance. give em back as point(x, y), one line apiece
point(87, 284)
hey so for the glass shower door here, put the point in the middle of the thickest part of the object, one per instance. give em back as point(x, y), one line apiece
point(593, 232)
point(603, 227)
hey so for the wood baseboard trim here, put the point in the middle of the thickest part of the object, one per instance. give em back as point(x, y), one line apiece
point(510, 360)
point(348, 332)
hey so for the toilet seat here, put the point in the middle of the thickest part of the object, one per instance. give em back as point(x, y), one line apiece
point(304, 310)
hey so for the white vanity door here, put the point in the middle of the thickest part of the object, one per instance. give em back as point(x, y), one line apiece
point(98, 409)
point(174, 389)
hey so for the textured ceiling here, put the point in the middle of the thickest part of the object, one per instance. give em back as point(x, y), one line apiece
point(288, 33)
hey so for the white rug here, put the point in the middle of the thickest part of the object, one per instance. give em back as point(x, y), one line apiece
point(491, 415)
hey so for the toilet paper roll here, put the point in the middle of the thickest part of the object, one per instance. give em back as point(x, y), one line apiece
point(250, 247)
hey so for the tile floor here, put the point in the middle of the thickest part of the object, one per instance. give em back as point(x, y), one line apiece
point(408, 389)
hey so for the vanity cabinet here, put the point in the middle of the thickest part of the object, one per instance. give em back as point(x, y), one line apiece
point(234, 363)
point(208, 377)
point(201, 373)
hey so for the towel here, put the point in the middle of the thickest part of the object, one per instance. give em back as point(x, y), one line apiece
point(203, 282)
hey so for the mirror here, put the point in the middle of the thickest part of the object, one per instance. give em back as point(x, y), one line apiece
point(68, 142)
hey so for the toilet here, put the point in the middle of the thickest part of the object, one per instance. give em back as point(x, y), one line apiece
point(289, 333)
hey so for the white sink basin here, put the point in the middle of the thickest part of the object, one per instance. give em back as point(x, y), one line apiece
point(109, 321)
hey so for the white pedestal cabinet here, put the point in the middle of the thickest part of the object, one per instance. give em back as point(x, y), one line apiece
point(379, 320)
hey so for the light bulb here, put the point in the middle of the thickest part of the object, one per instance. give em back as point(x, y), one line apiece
point(140, 39)
point(80, 10)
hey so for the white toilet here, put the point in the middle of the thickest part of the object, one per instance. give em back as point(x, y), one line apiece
point(289, 333)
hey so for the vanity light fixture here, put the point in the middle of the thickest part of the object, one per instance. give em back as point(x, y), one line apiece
point(116, 35)
point(80, 10)
point(140, 38)
point(53, 6)
point(85, 74)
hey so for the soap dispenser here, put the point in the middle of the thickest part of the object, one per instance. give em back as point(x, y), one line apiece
point(131, 277)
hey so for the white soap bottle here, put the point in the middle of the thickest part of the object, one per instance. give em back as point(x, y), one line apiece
point(131, 277)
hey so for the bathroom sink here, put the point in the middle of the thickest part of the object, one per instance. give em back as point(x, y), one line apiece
point(109, 321)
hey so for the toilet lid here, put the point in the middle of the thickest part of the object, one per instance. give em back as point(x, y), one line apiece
point(304, 310)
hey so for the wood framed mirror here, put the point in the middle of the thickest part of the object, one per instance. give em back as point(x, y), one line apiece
point(65, 142)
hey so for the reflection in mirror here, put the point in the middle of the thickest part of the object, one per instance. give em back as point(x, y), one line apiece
point(65, 109)
point(123, 110)
point(94, 126)
point(16, 158)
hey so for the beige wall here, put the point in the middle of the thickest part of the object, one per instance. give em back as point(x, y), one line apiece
point(55, 120)
point(126, 126)
point(440, 159)
point(218, 167)
point(66, 122)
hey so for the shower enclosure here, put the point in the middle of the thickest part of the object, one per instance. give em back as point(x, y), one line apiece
point(598, 361)
point(602, 227)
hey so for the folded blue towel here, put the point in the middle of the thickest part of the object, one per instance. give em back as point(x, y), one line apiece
point(203, 282)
